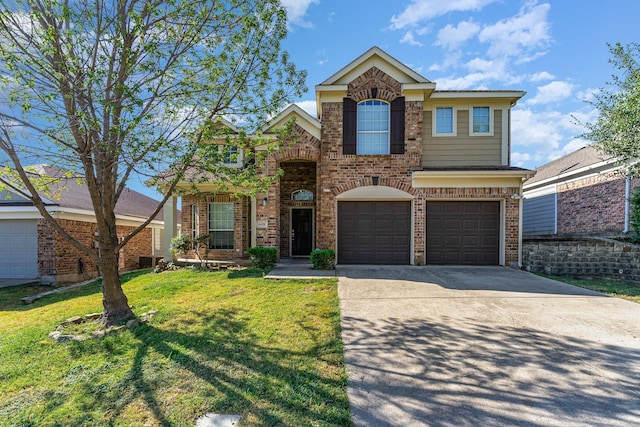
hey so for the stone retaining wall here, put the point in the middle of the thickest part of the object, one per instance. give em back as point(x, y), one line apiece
point(582, 257)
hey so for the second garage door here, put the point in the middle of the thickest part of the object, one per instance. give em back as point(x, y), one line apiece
point(463, 233)
point(374, 232)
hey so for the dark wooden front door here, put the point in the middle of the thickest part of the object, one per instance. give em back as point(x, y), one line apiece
point(301, 232)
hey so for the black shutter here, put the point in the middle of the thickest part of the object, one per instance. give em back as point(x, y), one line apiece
point(349, 125)
point(397, 125)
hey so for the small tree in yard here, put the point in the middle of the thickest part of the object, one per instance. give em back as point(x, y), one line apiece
point(114, 89)
point(617, 128)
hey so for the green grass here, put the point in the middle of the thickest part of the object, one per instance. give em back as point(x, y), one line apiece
point(628, 291)
point(223, 342)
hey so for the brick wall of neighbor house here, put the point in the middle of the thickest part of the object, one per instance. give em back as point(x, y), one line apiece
point(58, 257)
point(46, 249)
point(586, 257)
point(297, 175)
point(241, 225)
point(139, 245)
point(595, 204)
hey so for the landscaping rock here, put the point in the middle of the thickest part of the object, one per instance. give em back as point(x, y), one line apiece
point(92, 316)
point(132, 323)
point(75, 319)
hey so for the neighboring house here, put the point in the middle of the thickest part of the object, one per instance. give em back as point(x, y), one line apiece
point(585, 192)
point(31, 249)
point(394, 171)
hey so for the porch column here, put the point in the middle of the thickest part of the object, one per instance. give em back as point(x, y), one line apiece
point(170, 226)
point(253, 222)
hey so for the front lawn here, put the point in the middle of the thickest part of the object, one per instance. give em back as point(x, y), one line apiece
point(628, 291)
point(223, 342)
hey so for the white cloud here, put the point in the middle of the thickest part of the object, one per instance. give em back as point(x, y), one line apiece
point(309, 106)
point(541, 136)
point(423, 10)
point(541, 76)
point(296, 10)
point(552, 92)
point(452, 37)
point(409, 39)
point(520, 35)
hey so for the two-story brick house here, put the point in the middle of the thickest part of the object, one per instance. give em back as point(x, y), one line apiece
point(394, 171)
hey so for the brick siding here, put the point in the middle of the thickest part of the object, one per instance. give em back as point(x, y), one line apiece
point(58, 257)
point(592, 205)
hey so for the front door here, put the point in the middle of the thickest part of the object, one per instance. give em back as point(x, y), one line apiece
point(301, 231)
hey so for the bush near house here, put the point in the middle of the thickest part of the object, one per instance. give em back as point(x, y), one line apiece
point(262, 257)
point(323, 259)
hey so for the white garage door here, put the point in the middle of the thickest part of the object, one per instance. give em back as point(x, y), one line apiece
point(19, 249)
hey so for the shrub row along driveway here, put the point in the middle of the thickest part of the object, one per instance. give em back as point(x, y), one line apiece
point(457, 346)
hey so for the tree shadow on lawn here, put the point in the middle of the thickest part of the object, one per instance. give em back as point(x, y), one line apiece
point(461, 372)
point(178, 376)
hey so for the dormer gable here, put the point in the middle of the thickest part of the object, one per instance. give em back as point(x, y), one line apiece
point(303, 119)
point(374, 64)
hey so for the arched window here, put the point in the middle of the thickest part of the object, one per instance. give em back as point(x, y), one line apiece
point(373, 127)
point(303, 195)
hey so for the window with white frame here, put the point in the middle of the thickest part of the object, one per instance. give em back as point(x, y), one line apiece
point(231, 156)
point(481, 123)
point(220, 225)
point(373, 127)
point(444, 121)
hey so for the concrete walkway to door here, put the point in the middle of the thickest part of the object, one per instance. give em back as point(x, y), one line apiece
point(483, 346)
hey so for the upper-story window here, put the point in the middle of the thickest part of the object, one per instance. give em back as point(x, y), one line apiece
point(231, 156)
point(481, 122)
point(373, 127)
point(444, 121)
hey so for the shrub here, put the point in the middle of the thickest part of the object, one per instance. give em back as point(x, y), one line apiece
point(264, 258)
point(635, 215)
point(322, 259)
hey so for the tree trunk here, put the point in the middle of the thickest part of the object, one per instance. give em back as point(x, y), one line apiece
point(114, 301)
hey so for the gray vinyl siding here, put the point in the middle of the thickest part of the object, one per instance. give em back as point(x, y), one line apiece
point(462, 149)
point(539, 215)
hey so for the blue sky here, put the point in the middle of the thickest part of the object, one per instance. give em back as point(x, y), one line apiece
point(556, 51)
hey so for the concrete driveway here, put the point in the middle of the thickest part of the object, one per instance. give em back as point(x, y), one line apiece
point(481, 346)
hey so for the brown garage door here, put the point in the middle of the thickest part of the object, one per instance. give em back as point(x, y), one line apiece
point(374, 232)
point(463, 233)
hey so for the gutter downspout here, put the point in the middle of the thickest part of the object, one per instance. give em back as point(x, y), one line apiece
point(627, 202)
point(520, 210)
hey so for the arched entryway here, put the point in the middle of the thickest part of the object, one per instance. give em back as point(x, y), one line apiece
point(298, 187)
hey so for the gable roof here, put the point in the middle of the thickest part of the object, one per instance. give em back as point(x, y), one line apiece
point(584, 160)
point(74, 195)
point(303, 119)
point(378, 58)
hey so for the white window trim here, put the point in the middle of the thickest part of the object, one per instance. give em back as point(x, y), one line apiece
point(388, 132)
point(491, 120)
point(454, 112)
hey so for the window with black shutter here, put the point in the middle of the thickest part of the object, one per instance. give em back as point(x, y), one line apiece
point(365, 123)
point(349, 126)
point(397, 125)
